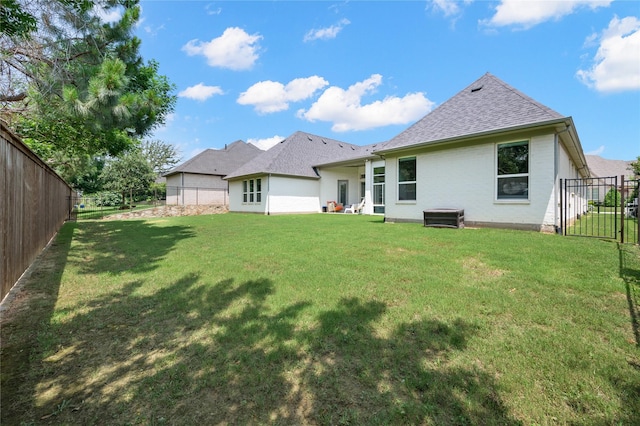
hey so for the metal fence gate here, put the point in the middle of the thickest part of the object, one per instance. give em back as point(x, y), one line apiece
point(602, 207)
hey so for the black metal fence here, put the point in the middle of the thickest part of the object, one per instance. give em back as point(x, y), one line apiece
point(602, 207)
point(82, 208)
point(96, 206)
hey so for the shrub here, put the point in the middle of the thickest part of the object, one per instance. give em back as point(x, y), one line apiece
point(612, 198)
point(107, 199)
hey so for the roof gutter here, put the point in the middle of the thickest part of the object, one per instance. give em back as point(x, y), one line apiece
point(350, 162)
point(577, 146)
point(254, 175)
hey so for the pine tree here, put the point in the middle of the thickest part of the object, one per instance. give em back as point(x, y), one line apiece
point(77, 86)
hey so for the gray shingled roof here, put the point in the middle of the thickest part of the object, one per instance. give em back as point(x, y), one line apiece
point(487, 105)
point(219, 162)
point(601, 167)
point(298, 154)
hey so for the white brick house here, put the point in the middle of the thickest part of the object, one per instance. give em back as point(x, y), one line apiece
point(490, 150)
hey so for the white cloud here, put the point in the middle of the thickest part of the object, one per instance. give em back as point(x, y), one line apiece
point(234, 49)
point(597, 151)
point(272, 96)
point(108, 15)
point(448, 7)
point(267, 143)
point(153, 31)
point(616, 66)
point(530, 13)
point(326, 33)
point(344, 107)
point(212, 10)
point(200, 92)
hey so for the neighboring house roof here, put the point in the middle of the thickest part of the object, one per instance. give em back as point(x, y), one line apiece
point(601, 167)
point(487, 105)
point(219, 162)
point(298, 154)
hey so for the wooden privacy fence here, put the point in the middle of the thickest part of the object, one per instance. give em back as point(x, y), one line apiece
point(33, 206)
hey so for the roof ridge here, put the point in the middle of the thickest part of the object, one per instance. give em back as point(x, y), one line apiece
point(523, 95)
point(279, 153)
point(488, 104)
point(297, 155)
point(190, 160)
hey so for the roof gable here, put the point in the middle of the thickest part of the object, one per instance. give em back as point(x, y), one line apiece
point(487, 105)
point(219, 162)
point(297, 155)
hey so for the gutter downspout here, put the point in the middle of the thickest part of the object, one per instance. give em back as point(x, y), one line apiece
point(182, 186)
point(268, 194)
point(556, 181)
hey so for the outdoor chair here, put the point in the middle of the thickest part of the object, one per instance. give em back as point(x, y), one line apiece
point(355, 208)
point(334, 207)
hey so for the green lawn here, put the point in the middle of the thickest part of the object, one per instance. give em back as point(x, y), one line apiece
point(322, 319)
point(605, 225)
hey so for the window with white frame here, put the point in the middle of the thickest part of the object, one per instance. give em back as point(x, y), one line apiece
point(245, 191)
point(407, 179)
point(512, 175)
point(252, 191)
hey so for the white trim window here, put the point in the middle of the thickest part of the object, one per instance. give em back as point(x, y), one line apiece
point(378, 189)
point(407, 179)
point(512, 174)
point(252, 191)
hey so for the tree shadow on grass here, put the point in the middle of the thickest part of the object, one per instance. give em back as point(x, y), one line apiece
point(629, 386)
point(360, 377)
point(630, 273)
point(199, 353)
point(189, 352)
point(134, 246)
point(28, 336)
point(21, 321)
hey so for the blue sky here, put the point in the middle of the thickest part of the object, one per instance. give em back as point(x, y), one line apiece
point(363, 71)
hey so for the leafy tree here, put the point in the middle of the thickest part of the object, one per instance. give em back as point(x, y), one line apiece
point(161, 156)
point(612, 198)
point(635, 166)
point(77, 86)
point(128, 173)
point(14, 21)
point(86, 176)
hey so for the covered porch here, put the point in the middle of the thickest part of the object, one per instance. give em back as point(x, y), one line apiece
point(350, 183)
